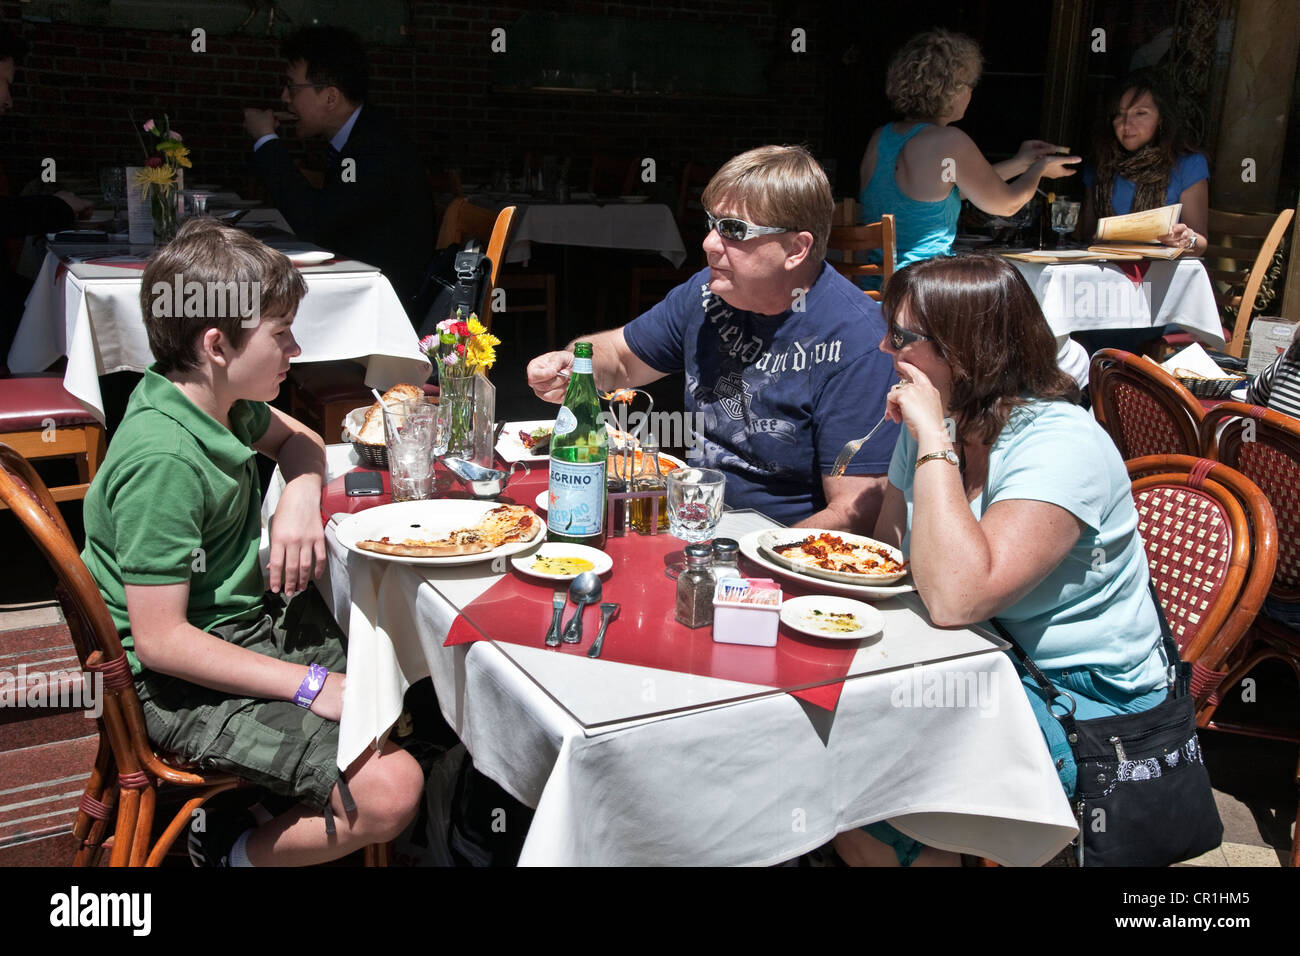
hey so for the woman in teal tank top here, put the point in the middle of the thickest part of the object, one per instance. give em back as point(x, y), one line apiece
point(920, 168)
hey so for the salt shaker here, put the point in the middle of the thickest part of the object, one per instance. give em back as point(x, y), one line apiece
point(695, 587)
point(726, 553)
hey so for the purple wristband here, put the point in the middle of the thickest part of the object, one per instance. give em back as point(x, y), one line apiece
point(311, 685)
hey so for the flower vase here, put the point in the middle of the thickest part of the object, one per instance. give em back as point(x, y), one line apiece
point(456, 387)
point(162, 203)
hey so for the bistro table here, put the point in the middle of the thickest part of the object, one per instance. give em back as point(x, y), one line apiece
point(633, 764)
point(1088, 296)
point(85, 304)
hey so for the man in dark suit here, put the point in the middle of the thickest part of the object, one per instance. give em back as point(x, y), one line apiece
point(375, 203)
point(23, 215)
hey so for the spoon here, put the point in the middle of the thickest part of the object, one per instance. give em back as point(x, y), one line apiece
point(584, 589)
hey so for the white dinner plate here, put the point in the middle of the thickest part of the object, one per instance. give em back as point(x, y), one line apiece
point(812, 615)
point(511, 449)
point(525, 563)
point(310, 257)
point(543, 501)
point(431, 519)
point(768, 542)
point(750, 549)
point(1239, 394)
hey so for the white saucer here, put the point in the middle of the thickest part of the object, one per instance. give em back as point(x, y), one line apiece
point(799, 614)
point(523, 563)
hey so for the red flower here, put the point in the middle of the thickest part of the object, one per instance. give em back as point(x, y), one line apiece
point(462, 328)
point(153, 162)
point(460, 348)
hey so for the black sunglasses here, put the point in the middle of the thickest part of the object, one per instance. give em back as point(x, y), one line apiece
point(901, 338)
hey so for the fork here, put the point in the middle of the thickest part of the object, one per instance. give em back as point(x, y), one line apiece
point(558, 600)
point(851, 448)
point(607, 612)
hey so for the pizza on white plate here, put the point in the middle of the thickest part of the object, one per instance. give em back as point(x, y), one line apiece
point(860, 558)
point(504, 524)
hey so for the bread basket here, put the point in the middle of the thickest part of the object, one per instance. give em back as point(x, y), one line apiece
point(1209, 387)
point(373, 456)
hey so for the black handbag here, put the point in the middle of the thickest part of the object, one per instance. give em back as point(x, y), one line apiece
point(1143, 796)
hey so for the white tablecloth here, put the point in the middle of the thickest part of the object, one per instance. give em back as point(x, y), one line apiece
point(647, 227)
point(1086, 296)
point(91, 314)
point(757, 780)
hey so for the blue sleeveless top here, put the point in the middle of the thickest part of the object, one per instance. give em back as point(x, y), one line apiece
point(923, 229)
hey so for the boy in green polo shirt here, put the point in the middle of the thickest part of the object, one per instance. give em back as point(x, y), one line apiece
point(230, 677)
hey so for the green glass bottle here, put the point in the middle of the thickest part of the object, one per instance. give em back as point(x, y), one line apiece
point(579, 451)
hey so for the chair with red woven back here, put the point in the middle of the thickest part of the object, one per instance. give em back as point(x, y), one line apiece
point(1264, 445)
point(1211, 542)
point(1144, 409)
point(124, 781)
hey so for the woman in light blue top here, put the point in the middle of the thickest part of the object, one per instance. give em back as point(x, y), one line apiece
point(920, 168)
point(1010, 502)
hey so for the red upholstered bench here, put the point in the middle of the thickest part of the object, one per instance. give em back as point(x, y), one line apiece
point(39, 419)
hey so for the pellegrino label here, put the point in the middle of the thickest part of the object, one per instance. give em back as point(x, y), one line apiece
point(577, 492)
point(565, 422)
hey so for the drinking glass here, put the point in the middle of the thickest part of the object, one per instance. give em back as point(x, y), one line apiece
point(112, 184)
point(1065, 216)
point(409, 432)
point(695, 503)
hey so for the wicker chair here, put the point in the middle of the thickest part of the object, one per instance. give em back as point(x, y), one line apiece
point(124, 781)
point(1265, 446)
point(1144, 409)
point(1211, 543)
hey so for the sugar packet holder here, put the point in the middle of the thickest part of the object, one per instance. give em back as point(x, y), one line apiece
point(746, 611)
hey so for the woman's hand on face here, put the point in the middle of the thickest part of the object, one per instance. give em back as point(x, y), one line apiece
point(915, 402)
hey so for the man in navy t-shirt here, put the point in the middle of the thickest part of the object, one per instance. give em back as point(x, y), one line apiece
point(780, 352)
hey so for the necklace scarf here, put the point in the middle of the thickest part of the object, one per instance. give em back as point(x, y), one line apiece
point(1147, 169)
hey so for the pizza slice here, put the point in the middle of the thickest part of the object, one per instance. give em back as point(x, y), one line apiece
point(504, 524)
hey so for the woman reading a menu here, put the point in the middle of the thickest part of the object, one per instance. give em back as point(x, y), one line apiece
point(1010, 503)
point(1143, 161)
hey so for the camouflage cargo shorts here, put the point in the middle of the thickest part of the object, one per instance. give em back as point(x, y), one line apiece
point(272, 743)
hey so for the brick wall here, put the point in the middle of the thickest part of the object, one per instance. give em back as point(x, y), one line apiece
point(75, 89)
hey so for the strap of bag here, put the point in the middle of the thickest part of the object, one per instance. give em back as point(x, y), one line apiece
point(1182, 672)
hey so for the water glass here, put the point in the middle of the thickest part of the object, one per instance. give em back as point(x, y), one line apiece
point(1065, 216)
point(409, 429)
point(695, 503)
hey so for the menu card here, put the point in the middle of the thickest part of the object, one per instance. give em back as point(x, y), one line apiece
point(1139, 232)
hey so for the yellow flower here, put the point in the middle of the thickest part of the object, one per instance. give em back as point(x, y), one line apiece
point(475, 326)
point(480, 351)
point(181, 157)
point(153, 176)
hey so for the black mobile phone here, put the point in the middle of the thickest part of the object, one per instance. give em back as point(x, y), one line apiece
point(359, 483)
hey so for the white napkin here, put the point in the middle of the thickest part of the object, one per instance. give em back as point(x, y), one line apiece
point(1193, 359)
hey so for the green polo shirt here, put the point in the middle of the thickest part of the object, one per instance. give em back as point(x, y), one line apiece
point(177, 500)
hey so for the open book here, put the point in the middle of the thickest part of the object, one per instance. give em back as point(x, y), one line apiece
point(1138, 233)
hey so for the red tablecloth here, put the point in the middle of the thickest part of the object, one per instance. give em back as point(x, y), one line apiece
point(517, 610)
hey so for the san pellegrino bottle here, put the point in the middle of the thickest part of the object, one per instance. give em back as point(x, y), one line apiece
point(579, 451)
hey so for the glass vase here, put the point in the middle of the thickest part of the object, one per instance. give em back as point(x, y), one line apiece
point(456, 388)
point(162, 203)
